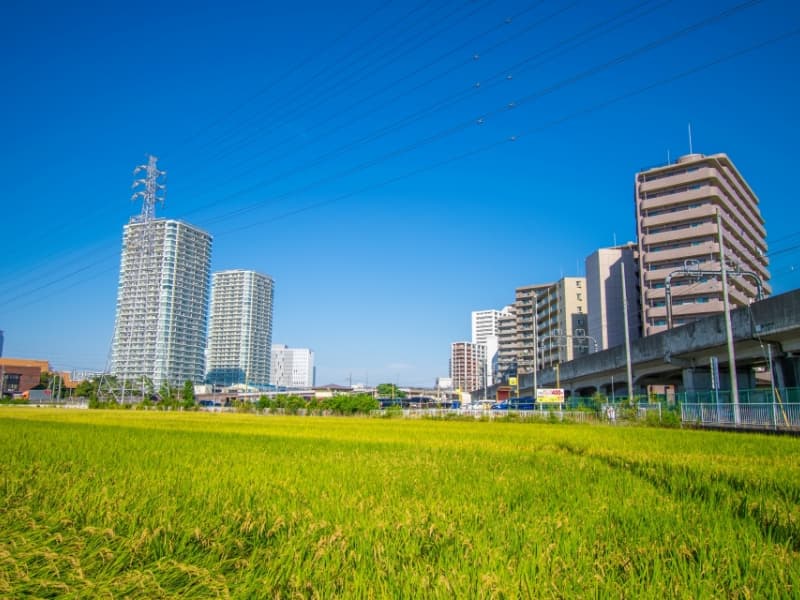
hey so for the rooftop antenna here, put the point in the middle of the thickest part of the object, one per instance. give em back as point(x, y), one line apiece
point(690, 139)
point(668, 156)
point(615, 239)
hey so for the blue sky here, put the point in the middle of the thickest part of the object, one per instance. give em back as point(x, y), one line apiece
point(392, 165)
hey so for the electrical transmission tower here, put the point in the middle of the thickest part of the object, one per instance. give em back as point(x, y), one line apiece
point(135, 351)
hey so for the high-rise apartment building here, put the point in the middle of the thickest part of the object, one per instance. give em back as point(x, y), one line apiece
point(486, 331)
point(676, 220)
point(506, 363)
point(484, 324)
point(240, 329)
point(550, 318)
point(606, 319)
point(467, 365)
point(162, 303)
point(292, 367)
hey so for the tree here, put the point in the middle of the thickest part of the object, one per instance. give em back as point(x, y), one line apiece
point(188, 394)
point(389, 390)
point(166, 393)
point(87, 389)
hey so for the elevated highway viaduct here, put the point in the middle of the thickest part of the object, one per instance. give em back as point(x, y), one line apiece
point(680, 357)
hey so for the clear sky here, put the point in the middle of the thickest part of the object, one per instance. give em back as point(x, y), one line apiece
point(392, 165)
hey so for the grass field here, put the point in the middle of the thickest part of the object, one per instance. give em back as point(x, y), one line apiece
point(147, 504)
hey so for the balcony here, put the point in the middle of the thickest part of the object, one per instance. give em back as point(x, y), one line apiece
point(685, 233)
point(676, 180)
point(684, 253)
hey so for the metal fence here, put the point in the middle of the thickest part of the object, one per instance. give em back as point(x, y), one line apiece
point(751, 396)
point(490, 415)
point(763, 415)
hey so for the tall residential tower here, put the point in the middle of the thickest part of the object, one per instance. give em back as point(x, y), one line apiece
point(240, 328)
point(486, 331)
point(162, 304)
point(676, 220)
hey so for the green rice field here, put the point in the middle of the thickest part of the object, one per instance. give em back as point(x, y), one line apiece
point(138, 504)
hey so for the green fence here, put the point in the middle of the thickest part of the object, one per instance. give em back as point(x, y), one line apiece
point(753, 396)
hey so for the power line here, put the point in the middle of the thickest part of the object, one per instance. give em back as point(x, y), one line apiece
point(461, 126)
point(496, 144)
point(552, 123)
point(335, 74)
point(292, 69)
point(358, 105)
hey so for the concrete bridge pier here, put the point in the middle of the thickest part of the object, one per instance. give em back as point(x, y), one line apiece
point(787, 371)
point(696, 378)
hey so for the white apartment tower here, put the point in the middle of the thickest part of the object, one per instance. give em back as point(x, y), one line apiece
point(486, 331)
point(162, 303)
point(292, 367)
point(606, 319)
point(240, 329)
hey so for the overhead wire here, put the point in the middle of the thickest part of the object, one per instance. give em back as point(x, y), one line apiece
point(493, 145)
point(572, 115)
point(295, 67)
point(441, 105)
point(337, 75)
point(88, 217)
point(497, 78)
point(375, 36)
point(326, 47)
point(462, 125)
point(357, 105)
point(343, 85)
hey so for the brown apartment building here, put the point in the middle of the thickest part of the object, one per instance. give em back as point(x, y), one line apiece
point(676, 208)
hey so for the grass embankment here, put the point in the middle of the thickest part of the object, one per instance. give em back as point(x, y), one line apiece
point(197, 505)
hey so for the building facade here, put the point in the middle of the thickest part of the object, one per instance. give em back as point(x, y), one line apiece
point(18, 375)
point(506, 363)
point(676, 220)
point(467, 366)
point(486, 331)
point(240, 329)
point(162, 304)
point(292, 367)
point(550, 319)
point(606, 322)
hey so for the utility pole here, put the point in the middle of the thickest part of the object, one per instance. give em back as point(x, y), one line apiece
point(628, 366)
point(535, 346)
point(728, 328)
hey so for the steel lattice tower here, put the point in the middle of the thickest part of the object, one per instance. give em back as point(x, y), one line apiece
point(139, 256)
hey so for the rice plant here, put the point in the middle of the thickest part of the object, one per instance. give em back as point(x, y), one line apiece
point(141, 504)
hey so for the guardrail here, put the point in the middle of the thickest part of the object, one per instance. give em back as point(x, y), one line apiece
point(766, 415)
